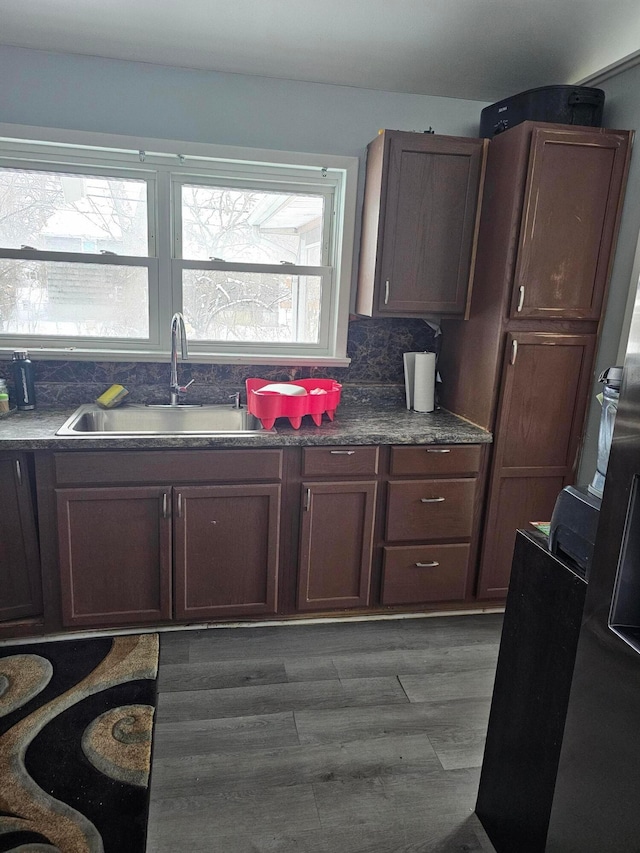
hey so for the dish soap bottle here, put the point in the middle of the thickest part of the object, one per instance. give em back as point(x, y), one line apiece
point(23, 378)
point(4, 397)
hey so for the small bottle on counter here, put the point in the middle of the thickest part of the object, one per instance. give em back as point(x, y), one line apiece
point(23, 378)
point(4, 397)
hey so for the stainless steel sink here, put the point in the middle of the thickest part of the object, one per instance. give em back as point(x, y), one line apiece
point(131, 419)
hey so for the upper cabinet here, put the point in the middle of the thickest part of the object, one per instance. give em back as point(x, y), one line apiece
point(420, 223)
point(567, 227)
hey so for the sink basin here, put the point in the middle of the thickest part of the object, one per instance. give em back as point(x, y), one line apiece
point(134, 419)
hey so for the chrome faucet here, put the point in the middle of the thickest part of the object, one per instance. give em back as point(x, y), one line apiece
point(177, 331)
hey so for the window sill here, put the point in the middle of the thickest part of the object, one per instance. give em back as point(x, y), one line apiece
point(79, 354)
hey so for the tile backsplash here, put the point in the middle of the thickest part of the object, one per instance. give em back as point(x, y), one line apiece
point(375, 373)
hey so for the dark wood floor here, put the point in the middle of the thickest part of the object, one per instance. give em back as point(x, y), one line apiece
point(351, 737)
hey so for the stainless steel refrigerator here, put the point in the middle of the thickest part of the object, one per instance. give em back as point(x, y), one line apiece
point(596, 802)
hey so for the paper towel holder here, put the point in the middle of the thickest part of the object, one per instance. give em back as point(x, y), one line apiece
point(420, 394)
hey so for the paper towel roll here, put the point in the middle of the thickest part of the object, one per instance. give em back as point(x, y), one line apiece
point(424, 382)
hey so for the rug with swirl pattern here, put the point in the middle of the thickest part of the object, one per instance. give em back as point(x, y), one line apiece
point(76, 722)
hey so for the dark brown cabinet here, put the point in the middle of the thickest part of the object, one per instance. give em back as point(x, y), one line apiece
point(431, 523)
point(20, 584)
point(521, 365)
point(420, 221)
point(127, 553)
point(336, 545)
point(567, 223)
point(545, 381)
point(226, 550)
point(337, 526)
point(115, 555)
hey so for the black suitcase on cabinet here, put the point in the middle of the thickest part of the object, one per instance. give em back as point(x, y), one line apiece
point(559, 104)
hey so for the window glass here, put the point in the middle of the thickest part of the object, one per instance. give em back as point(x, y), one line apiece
point(250, 226)
point(221, 305)
point(58, 212)
point(53, 298)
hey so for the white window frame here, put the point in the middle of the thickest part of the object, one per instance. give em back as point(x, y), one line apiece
point(333, 176)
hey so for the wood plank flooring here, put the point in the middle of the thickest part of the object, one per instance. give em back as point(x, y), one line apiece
point(350, 737)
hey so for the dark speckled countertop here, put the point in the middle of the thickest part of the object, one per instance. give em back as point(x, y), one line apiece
point(353, 424)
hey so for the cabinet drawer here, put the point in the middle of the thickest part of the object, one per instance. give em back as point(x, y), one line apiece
point(152, 466)
point(336, 461)
point(424, 573)
point(444, 459)
point(430, 509)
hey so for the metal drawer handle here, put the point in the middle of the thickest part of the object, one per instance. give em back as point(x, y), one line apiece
point(386, 292)
point(439, 450)
point(164, 505)
point(431, 500)
point(307, 500)
point(521, 298)
point(19, 472)
point(514, 351)
point(430, 565)
point(179, 504)
point(342, 452)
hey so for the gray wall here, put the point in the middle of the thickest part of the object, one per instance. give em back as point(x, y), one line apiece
point(622, 110)
point(112, 96)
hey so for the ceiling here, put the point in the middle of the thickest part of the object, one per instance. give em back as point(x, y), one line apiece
point(477, 49)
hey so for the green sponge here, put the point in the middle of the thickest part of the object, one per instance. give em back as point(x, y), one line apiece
point(112, 397)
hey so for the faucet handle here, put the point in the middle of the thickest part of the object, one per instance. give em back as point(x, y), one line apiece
point(182, 389)
point(236, 400)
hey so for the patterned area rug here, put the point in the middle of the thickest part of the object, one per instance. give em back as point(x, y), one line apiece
point(76, 721)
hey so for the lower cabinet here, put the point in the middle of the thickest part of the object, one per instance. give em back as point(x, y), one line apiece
point(20, 583)
point(135, 554)
point(337, 527)
point(115, 555)
point(336, 545)
point(425, 573)
point(430, 522)
point(226, 550)
point(145, 537)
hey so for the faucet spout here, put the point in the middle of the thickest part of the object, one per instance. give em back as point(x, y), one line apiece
point(178, 334)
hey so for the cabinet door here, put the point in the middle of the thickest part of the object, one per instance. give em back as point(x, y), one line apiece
point(429, 223)
point(571, 208)
point(226, 550)
point(419, 224)
point(115, 555)
point(540, 418)
point(20, 584)
point(336, 545)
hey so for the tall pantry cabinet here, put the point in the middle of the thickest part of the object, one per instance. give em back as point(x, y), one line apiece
point(522, 364)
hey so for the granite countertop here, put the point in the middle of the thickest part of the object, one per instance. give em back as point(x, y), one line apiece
point(353, 424)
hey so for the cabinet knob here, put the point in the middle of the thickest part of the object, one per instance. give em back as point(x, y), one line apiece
point(431, 500)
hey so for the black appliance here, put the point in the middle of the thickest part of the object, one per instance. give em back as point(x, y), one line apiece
point(574, 524)
point(579, 105)
point(595, 804)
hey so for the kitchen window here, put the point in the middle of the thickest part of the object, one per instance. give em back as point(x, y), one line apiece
point(100, 245)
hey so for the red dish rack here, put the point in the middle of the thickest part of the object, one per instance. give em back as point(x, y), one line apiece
point(269, 405)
